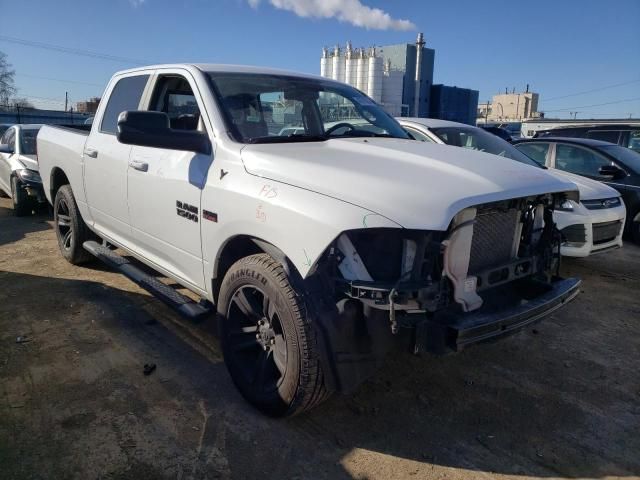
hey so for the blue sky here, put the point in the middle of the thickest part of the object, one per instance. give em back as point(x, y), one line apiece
point(559, 47)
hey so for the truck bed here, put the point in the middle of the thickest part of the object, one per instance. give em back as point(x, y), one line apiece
point(62, 147)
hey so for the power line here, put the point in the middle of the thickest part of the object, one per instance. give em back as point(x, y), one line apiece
point(590, 91)
point(594, 105)
point(58, 80)
point(72, 51)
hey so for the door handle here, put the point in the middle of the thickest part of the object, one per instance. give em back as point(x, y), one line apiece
point(91, 152)
point(139, 165)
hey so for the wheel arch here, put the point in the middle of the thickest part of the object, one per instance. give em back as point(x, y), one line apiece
point(240, 246)
point(58, 178)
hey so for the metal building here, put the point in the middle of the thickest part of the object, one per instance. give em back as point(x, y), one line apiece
point(453, 103)
point(397, 76)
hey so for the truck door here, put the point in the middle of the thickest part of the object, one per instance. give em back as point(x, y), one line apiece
point(165, 186)
point(106, 160)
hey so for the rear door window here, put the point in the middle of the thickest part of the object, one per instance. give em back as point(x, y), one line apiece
point(634, 140)
point(537, 151)
point(125, 96)
point(611, 136)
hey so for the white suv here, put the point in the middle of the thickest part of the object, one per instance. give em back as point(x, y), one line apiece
point(592, 225)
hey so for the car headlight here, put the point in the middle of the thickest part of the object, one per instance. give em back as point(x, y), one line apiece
point(29, 175)
point(566, 206)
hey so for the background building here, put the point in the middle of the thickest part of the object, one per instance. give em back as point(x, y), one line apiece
point(89, 106)
point(399, 77)
point(453, 103)
point(510, 107)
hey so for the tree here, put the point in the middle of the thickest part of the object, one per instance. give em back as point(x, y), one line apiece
point(21, 103)
point(7, 74)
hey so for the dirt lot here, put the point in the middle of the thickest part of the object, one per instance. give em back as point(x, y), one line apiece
point(560, 400)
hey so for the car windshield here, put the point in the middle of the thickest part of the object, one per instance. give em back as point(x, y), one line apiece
point(478, 139)
point(628, 157)
point(262, 108)
point(28, 142)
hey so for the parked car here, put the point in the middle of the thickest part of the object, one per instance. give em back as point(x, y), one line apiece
point(19, 177)
point(617, 166)
point(592, 225)
point(626, 135)
point(499, 132)
point(320, 250)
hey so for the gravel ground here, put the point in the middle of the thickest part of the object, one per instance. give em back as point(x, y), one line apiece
point(559, 400)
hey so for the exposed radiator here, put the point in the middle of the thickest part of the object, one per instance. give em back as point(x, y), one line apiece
point(493, 237)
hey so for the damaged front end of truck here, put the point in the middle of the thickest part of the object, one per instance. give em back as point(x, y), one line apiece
point(494, 271)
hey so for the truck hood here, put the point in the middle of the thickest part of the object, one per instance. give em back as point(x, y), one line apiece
point(415, 184)
point(589, 189)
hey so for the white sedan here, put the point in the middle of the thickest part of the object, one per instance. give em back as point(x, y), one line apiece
point(593, 225)
point(19, 176)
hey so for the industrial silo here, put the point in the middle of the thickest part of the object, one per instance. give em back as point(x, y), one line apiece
point(361, 71)
point(325, 64)
point(350, 66)
point(374, 80)
point(338, 65)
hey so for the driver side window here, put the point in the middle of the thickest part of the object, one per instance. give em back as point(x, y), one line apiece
point(579, 160)
point(418, 135)
point(173, 96)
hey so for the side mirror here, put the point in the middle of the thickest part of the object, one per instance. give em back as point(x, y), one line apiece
point(612, 172)
point(4, 148)
point(151, 129)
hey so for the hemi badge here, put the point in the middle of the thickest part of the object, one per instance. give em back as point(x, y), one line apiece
point(207, 215)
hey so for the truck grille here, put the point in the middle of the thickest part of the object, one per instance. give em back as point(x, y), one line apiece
point(606, 231)
point(492, 243)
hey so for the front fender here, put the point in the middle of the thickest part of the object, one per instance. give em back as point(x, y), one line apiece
point(298, 222)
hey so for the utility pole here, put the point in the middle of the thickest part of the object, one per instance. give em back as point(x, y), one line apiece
point(66, 99)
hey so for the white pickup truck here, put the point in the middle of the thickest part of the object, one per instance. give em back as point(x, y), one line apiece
point(306, 218)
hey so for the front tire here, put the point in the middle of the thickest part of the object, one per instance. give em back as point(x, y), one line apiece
point(268, 342)
point(21, 202)
point(635, 232)
point(71, 230)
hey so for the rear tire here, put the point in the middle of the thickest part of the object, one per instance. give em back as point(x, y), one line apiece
point(270, 346)
point(21, 202)
point(71, 230)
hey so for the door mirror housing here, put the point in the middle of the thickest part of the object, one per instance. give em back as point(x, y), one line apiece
point(4, 148)
point(152, 129)
point(612, 172)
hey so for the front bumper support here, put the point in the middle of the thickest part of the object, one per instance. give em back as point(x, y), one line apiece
point(448, 331)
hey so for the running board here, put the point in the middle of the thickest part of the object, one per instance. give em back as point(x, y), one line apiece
point(180, 303)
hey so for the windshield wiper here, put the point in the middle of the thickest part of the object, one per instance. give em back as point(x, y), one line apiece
point(292, 138)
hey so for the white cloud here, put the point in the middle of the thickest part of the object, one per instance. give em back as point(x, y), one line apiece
point(350, 11)
point(136, 3)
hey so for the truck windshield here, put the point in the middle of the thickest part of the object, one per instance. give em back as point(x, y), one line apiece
point(478, 139)
point(261, 108)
